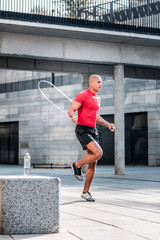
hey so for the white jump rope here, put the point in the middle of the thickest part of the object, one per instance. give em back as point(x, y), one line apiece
point(44, 81)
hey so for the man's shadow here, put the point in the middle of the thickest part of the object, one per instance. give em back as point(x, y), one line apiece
point(77, 201)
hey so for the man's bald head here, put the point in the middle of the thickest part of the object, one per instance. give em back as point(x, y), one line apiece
point(95, 83)
point(94, 78)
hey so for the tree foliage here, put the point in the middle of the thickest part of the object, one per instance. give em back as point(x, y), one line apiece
point(39, 10)
point(79, 8)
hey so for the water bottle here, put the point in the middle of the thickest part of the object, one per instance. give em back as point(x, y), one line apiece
point(27, 164)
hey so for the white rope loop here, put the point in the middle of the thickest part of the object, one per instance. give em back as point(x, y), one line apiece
point(44, 81)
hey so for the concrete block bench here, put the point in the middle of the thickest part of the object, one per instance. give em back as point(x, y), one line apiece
point(29, 205)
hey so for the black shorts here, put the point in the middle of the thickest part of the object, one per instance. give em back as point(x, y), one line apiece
point(86, 134)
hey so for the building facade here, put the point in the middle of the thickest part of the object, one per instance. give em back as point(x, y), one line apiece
point(29, 123)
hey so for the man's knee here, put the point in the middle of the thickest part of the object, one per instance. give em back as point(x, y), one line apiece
point(99, 154)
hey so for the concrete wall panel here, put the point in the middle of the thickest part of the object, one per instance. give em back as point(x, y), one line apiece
point(78, 50)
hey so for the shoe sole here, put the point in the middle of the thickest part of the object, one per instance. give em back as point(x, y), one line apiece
point(75, 174)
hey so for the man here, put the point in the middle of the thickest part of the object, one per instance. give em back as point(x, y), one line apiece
point(87, 104)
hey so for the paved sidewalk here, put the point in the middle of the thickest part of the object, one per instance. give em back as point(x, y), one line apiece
point(127, 207)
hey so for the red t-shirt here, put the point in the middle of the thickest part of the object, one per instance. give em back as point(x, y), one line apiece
point(87, 113)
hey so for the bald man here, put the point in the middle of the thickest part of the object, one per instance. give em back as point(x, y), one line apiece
point(87, 103)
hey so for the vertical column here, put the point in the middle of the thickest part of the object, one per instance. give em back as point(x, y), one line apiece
point(130, 10)
point(119, 141)
point(111, 12)
point(148, 9)
point(85, 82)
point(85, 85)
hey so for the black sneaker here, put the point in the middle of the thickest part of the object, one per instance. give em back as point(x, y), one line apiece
point(77, 172)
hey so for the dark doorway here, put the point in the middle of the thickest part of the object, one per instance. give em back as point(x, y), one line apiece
point(9, 143)
point(106, 138)
point(136, 140)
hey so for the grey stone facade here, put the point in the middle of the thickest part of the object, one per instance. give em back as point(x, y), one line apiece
point(49, 133)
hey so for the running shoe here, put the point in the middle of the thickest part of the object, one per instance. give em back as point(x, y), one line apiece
point(87, 196)
point(77, 172)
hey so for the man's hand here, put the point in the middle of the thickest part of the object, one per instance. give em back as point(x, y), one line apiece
point(74, 118)
point(112, 127)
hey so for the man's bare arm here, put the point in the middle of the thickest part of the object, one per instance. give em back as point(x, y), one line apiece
point(104, 123)
point(73, 108)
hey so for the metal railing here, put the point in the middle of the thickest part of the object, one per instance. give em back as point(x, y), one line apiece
point(142, 16)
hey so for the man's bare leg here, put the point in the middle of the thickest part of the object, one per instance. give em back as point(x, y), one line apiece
point(89, 176)
point(95, 153)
